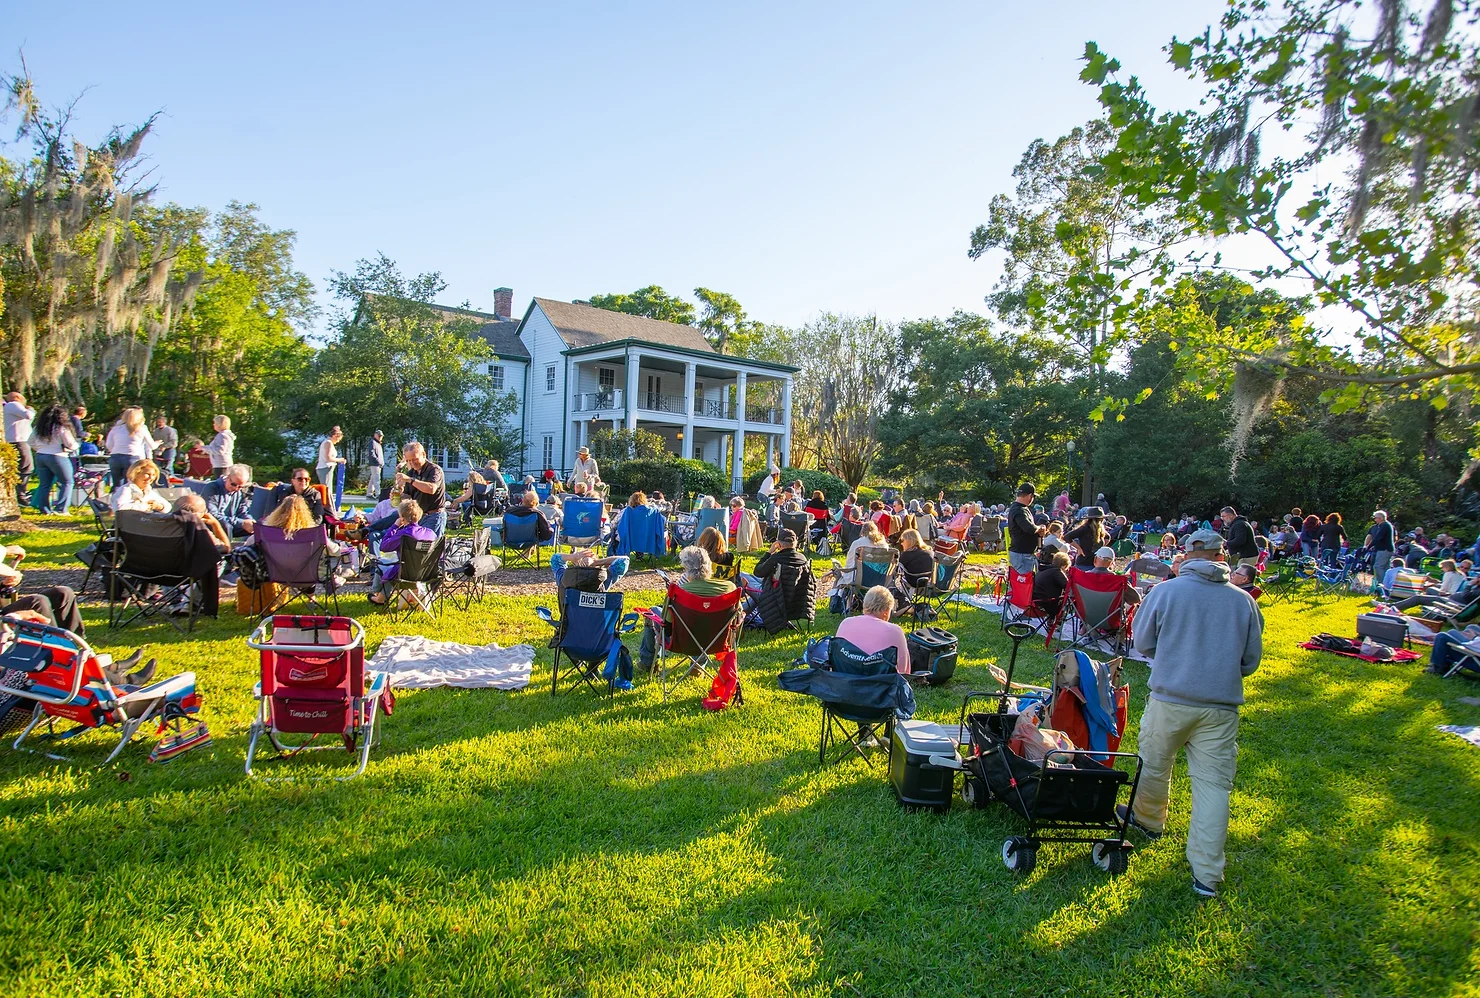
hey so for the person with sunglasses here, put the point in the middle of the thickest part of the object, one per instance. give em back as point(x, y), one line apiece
point(226, 500)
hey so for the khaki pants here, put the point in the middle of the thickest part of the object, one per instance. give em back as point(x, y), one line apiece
point(1251, 562)
point(1210, 736)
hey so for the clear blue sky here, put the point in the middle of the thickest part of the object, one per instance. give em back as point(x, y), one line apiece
point(803, 157)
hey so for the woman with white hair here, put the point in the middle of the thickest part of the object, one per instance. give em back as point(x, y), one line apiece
point(873, 631)
point(698, 578)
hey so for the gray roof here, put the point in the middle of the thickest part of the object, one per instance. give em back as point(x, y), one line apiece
point(503, 336)
point(585, 326)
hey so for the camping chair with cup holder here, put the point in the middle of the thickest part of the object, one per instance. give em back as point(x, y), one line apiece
point(874, 566)
point(935, 599)
point(799, 524)
point(694, 631)
point(588, 635)
point(858, 693)
point(640, 531)
point(98, 556)
point(1094, 610)
point(580, 525)
point(1018, 606)
point(150, 574)
point(521, 542)
point(468, 568)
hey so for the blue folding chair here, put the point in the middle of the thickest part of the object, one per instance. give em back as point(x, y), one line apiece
point(521, 541)
point(544, 490)
point(641, 530)
point(706, 518)
point(581, 522)
point(589, 637)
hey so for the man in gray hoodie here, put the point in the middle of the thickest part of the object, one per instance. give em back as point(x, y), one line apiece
point(1204, 636)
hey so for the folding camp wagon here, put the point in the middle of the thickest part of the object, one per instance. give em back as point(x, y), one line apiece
point(1061, 803)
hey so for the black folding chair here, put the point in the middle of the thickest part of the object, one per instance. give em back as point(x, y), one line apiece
point(845, 720)
point(150, 570)
point(420, 578)
point(801, 525)
point(467, 568)
point(98, 556)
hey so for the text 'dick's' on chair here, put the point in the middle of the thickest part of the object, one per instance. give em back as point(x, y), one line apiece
point(695, 630)
point(588, 637)
point(313, 682)
point(300, 566)
point(151, 571)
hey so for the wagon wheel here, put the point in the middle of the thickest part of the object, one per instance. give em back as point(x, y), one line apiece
point(974, 792)
point(1109, 857)
point(1019, 855)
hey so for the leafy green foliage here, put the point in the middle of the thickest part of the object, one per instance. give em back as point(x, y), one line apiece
point(399, 364)
point(981, 410)
point(1380, 97)
point(676, 478)
point(651, 301)
point(613, 446)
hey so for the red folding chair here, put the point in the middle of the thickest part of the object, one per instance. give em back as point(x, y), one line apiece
point(1019, 606)
point(1097, 611)
point(695, 631)
point(314, 682)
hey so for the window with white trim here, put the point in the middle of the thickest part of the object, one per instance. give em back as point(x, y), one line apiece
point(549, 380)
point(547, 449)
point(606, 377)
point(496, 375)
point(454, 459)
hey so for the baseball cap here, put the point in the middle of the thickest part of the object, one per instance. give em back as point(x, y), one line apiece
point(786, 535)
point(1025, 489)
point(1205, 540)
point(1106, 553)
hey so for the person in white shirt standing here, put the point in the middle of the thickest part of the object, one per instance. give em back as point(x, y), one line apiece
point(166, 444)
point(768, 484)
point(329, 459)
point(128, 442)
point(585, 471)
point(18, 418)
point(222, 447)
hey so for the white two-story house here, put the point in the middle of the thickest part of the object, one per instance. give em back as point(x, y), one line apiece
point(591, 368)
point(575, 370)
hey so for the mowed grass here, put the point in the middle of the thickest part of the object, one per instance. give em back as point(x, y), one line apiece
point(523, 844)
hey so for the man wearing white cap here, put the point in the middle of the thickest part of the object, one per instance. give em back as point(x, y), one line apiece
point(1204, 636)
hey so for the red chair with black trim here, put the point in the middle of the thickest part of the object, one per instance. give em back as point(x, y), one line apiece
point(314, 682)
point(697, 632)
point(1019, 605)
point(1096, 610)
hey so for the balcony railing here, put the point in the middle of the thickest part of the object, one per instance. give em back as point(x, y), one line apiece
point(714, 408)
point(654, 402)
point(762, 414)
point(607, 398)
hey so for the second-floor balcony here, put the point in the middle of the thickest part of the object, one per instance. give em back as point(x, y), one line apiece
point(599, 401)
point(714, 408)
point(763, 414)
point(658, 402)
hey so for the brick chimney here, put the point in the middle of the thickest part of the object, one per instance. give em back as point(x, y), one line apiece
point(503, 303)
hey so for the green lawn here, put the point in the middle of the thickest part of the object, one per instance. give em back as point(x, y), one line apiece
point(519, 843)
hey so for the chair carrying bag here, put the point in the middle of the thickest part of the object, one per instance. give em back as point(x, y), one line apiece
point(933, 652)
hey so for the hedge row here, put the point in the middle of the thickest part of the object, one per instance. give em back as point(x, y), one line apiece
point(676, 478)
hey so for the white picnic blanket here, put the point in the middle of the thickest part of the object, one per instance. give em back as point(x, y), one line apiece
point(419, 663)
point(980, 602)
point(1470, 733)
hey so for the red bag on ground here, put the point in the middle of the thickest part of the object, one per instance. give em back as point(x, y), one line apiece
point(726, 684)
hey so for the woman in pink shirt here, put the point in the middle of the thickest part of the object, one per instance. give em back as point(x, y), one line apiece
point(871, 631)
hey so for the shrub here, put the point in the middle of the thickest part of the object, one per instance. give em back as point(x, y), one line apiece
point(674, 477)
point(831, 486)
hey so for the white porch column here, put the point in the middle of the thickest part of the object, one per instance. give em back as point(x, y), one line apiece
point(737, 464)
point(786, 419)
point(633, 362)
point(770, 447)
point(687, 450)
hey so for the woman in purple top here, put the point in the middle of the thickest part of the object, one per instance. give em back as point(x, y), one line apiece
point(407, 527)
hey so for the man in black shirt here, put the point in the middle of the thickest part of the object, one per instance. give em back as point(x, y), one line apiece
point(1022, 532)
point(1243, 549)
point(422, 480)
